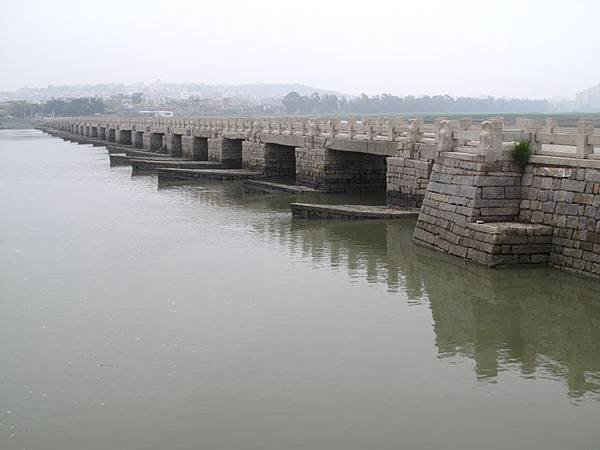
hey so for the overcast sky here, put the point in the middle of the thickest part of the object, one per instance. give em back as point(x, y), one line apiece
point(503, 48)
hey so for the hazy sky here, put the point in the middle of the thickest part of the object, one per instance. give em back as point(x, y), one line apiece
point(504, 48)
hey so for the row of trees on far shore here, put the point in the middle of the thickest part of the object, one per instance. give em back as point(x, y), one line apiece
point(295, 103)
point(85, 106)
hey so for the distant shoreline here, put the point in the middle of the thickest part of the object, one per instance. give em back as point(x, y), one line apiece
point(15, 124)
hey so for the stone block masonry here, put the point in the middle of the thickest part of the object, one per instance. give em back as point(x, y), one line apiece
point(338, 171)
point(407, 181)
point(228, 152)
point(274, 160)
point(493, 244)
point(567, 199)
point(463, 192)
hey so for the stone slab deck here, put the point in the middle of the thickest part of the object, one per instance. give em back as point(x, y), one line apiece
point(134, 152)
point(350, 212)
point(77, 138)
point(140, 165)
point(270, 187)
point(117, 159)
point(198, 175)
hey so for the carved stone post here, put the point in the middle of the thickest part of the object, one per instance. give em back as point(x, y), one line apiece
point(550, 125)
point(585, 127)
point(394, 127)
point(490, 139)
point(314, 128)
point(445, 138)
point(369, 129)
point(533, 127)
point(350, 128)
point(414, 133)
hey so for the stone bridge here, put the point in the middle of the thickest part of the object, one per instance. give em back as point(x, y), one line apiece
point(475, 202)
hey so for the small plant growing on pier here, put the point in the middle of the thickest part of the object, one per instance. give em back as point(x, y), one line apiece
point(520, 152)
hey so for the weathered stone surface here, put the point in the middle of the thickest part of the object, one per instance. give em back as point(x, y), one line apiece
point(350, 212)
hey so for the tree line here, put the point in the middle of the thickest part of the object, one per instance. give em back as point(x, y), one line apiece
point(295, 103)
point(85, 106)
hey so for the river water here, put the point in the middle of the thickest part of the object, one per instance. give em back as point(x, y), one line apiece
point(134, 316)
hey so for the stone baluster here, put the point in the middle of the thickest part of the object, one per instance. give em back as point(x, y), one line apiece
point(550, 124)
point(532, 128)
point(394, 126)
point(314, 128)
point(445, 137)
point(585, 128)
point(490, 139)
point(369, 131)
point(436, 124)
point(332, 127)
point(414, 131)
point(351, 128)
point(303, 127)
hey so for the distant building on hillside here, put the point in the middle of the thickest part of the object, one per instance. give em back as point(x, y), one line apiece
point(156, 113)
point(589, 100)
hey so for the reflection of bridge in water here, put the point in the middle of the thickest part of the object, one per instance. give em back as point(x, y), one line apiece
point(539, 322)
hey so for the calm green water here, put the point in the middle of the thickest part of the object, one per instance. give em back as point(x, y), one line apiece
point(133, 317)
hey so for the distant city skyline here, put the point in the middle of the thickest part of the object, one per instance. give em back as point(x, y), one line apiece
point(534, 49)
point(256, 90)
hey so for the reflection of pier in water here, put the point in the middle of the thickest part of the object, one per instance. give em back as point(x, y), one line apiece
point(540, 322)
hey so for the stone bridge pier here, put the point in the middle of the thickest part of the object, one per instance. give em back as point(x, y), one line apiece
point(195, 148)
point(124, 137)
point(157, 142)
point(225, 150)
point(138, 139)
point(174, 143)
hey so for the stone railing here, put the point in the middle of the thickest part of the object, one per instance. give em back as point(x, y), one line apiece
point(489, 139)
point(383, 129)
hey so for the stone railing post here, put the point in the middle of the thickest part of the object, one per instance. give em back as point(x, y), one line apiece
point(350, 128)
point(394, 130)
point(332, 127)
point(585, 128)
point(490, 139)
point(533, 127)
point(549, 125)
point(414, 133)
point(303, 127)
point(369, 132)
point(314, 128)
point(445, 137)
